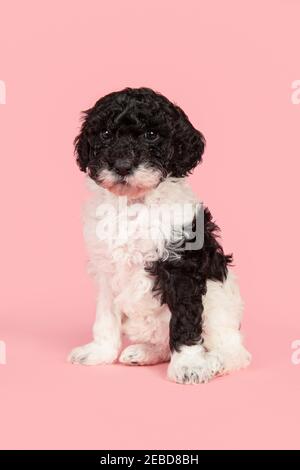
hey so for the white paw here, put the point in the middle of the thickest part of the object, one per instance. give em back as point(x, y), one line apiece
point(144, 354)
point(193, 366)
point(92, 354)
point(238, 359)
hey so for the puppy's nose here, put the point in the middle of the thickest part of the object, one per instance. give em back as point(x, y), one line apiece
point(122, 167)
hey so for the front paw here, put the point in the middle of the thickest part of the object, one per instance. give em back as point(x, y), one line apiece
point(92, 353)
point(186, 368)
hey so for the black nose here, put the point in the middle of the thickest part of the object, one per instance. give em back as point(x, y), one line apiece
point(122, 167)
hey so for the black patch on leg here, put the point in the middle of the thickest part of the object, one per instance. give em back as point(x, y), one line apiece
point(181, 284)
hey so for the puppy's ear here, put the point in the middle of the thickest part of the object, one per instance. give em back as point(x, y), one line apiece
point(188, 146)
point(82, 144)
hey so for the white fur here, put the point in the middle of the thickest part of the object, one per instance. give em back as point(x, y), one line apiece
point(193, 365)
point(126, 303)
point(222, 350)
point(136, 184)
point(145, 354)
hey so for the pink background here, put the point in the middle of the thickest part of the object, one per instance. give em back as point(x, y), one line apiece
point(230, 65)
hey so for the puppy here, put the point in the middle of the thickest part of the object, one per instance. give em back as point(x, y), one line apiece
point(163, 277)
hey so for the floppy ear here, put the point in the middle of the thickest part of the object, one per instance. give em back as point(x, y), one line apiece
point(82, 144)
point(188, 146)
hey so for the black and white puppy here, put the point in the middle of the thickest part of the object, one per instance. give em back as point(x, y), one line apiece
point(174, 299)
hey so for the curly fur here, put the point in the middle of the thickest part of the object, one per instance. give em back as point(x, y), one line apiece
point(129, 113)
point(182, 305)
point(182, 282)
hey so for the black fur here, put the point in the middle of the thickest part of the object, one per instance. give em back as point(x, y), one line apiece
point(181, 283)
point(127, 116)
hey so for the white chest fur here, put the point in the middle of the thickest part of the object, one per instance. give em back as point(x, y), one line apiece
point(123, 237)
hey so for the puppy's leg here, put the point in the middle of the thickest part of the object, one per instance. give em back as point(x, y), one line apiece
point(222, 315)
point(190, 363)
point(104, 349)
point(145, 354)
point(150, 335)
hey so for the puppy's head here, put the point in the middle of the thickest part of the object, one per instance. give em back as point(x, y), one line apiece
point(133, 139)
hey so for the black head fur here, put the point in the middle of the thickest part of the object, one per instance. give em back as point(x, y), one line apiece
point(117, 127)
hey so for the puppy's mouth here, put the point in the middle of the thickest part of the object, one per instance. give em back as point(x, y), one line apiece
point(133, 186)
point(123, 188)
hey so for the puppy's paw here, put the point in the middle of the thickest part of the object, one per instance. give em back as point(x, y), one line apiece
point(193, 366)
point(92, 354)
point(144, 354)
point(237, 359)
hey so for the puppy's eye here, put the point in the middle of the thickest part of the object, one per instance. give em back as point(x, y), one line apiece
point(105, 135)
point(151, 136)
